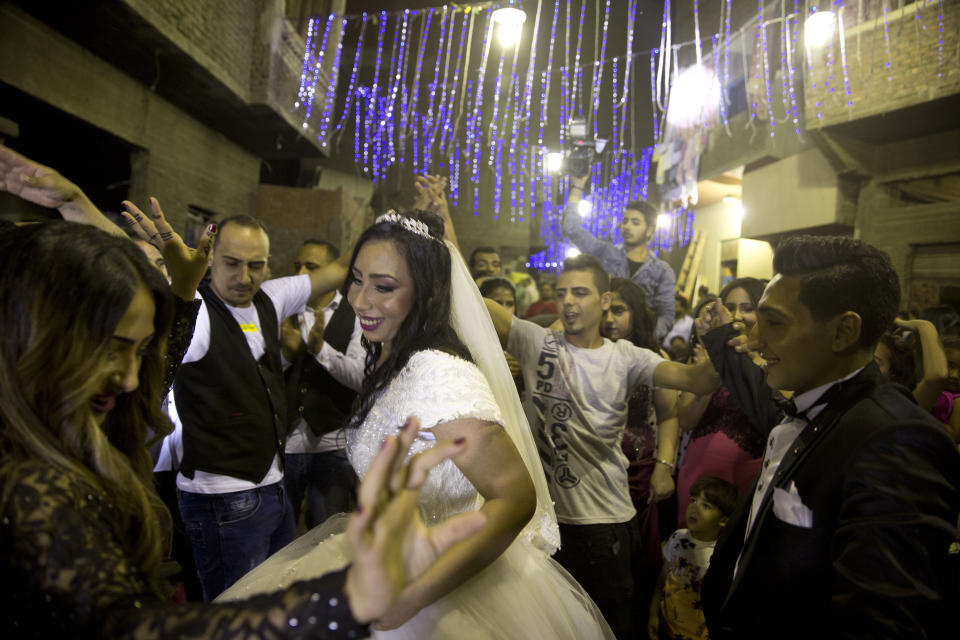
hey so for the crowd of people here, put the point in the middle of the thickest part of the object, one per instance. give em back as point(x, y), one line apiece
point(406, 440)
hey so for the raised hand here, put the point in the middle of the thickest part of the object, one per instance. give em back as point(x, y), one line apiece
point(391, 545)
point(290, 338)
point(432, 196)
point(187, 266)
point(712, 316)
point(917, 325)
point(315, 337)
point(33, 181)
point(699, 354)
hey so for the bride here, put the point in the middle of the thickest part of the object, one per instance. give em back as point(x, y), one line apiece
point(432, 353)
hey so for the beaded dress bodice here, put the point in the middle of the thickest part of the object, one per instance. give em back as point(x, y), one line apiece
point(435, 387)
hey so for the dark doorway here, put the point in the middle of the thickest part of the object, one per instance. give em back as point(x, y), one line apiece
point(96, 161)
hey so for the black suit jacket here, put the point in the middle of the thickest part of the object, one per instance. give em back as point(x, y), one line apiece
point(882, 478)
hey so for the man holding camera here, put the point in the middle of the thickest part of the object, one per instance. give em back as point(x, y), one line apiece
point(631, 260)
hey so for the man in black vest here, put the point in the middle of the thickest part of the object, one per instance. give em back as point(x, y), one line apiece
point(323, 346)
point(230, 395)
point(847, 530)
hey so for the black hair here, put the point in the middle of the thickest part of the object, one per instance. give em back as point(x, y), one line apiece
point(587, 262)
point(839, 274)
point(718, 491)
point(547, 278)
point(242, 220)
point(643, 321)
point(427, 325)
point(752, 286)
point(649, 212)
point(903, 360)
point(679, 297)
point(332, 250)
point(492, 283)
point(473, 254)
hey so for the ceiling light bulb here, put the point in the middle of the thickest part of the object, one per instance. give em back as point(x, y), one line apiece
point(694, 97)
point(554, 162)
point(509, 22)
point(819, 28)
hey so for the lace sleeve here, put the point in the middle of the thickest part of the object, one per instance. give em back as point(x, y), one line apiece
point(66, 575)
point(184, 321)
point(438, 387)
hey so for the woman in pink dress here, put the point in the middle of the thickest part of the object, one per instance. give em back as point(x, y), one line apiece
point(722, 442)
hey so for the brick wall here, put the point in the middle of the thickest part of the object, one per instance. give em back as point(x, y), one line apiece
point(293, 215)
point(915, 73)
point(220, 34)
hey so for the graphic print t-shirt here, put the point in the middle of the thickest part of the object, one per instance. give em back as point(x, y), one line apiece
point(577, 408)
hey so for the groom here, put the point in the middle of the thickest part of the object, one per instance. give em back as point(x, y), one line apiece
point(847, 529)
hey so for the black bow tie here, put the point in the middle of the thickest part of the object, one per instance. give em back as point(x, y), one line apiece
point(789, 406)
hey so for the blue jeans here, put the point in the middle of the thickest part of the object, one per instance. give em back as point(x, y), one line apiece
point(328, 480)
point(231, 533)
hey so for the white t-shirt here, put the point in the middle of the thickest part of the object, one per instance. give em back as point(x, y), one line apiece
point(171, 450)
point(289, 296)
point(346, 368)
point(577, 409)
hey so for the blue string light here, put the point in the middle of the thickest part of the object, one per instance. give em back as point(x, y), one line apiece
point(473, 132)
point(437, 133)
point(578, 93)
point(432, 106)
point(939, 38)
point(417, 70)
point(390, 112)
point(545, 78)
point(448, 125)
point(766, 72)
point(308, 54)
point(565, 84)
point(494, 123)
point(655, 107)
point(352, 86)
point(317, 60)
point(331, 96)
point(838, 5)
point(599, 64)
point(886, 42)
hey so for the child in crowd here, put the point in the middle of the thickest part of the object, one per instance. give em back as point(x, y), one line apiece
point(675, 611)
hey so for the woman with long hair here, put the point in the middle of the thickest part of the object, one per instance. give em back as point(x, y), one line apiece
point(86, 319)
point(650, 439)
point(722, 442)
point(432, 352)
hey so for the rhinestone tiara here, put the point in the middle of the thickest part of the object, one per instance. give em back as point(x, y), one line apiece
point(411, 225)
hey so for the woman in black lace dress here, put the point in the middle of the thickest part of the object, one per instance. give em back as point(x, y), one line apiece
point(82, 531)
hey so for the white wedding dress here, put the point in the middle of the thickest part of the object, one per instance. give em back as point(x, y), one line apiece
point(523, 594)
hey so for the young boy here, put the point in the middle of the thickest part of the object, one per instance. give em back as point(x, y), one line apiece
point(675, 611)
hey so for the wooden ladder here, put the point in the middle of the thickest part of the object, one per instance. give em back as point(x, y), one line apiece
point(688, 276)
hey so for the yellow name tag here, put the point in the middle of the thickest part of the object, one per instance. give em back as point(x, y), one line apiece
point(248, 328)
